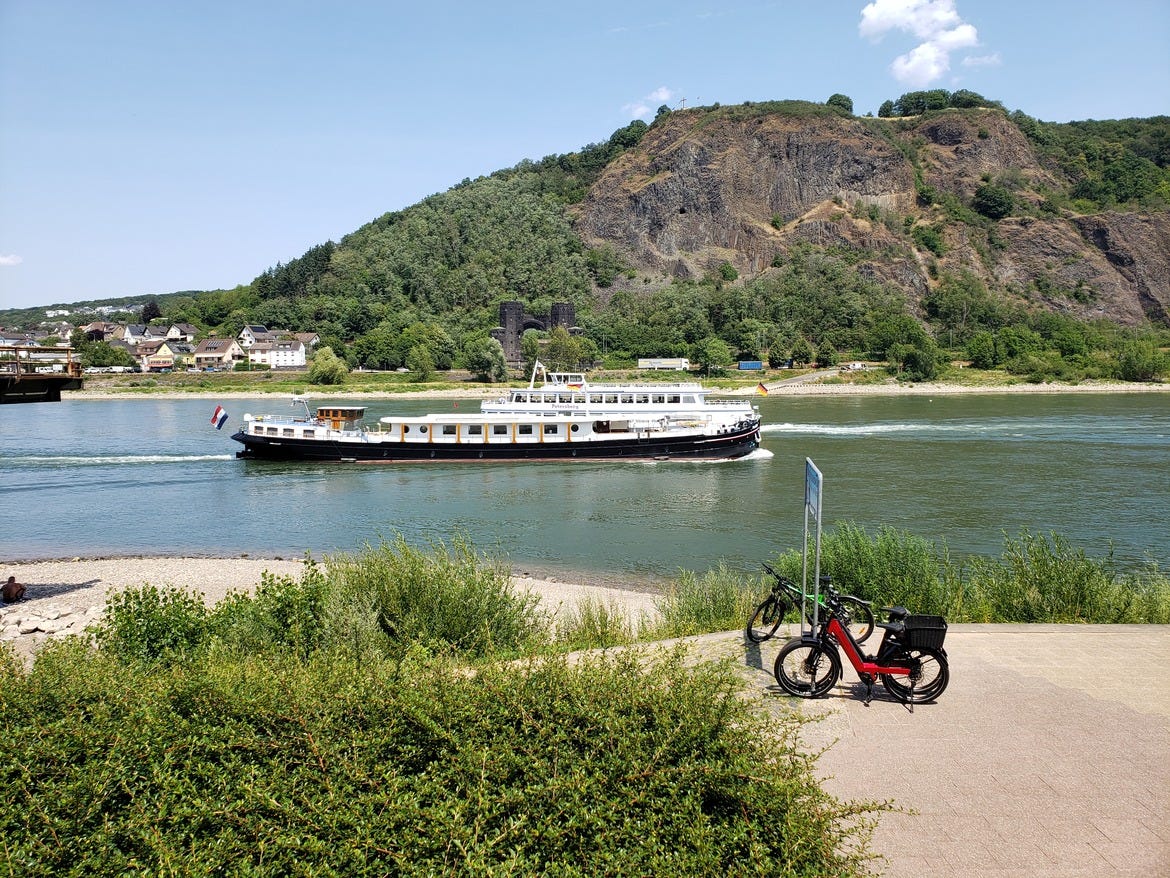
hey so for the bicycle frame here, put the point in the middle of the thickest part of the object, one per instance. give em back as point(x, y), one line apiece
point(860, 663)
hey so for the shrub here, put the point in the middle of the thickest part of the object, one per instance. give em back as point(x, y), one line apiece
point(448, 598)
point(151, 624)
point(284, 613)
point(631, 765)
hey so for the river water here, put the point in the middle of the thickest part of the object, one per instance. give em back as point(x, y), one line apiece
point(153, 477)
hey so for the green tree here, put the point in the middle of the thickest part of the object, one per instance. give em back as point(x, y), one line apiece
point(419, 362)
point(802, 352)
point(994, 202)
point(711, 354)
point(827, 356)
point(327, 368)
point(981, 350)
point(841, 102)
point(151, 311)
point(483, 356)
point(563, 352)
point(1139, 360)
point(886, 109)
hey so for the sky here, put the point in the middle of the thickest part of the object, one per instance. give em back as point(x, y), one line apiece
point(150, 147)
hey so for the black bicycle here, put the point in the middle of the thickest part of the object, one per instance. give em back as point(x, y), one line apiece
point(785, 597)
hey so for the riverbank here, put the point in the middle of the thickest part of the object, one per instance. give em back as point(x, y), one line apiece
point(825, 385)
point(63, 597)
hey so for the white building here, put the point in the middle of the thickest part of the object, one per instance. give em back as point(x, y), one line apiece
point(285, 354)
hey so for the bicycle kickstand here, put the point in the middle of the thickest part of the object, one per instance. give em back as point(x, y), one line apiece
point(867, 679)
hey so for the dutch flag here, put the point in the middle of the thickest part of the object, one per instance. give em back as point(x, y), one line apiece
point(219, 417)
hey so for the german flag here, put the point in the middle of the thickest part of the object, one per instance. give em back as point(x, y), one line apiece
point(761, 389)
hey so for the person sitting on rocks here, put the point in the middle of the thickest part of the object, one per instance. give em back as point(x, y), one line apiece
point(11, 591)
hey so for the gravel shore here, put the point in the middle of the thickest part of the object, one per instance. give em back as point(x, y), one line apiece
point(64, 597)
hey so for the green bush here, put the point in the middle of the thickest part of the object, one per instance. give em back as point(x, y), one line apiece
point(284, 613)
point(631, 765)
point(153, 625)
point(448, 598)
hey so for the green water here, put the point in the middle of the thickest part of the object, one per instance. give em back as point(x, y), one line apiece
point(86, 478)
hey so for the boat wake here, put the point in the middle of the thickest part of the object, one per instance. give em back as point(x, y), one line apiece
point(114, 459)
point(758, 454)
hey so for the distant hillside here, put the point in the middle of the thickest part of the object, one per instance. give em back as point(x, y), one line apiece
point(903, 200)
point(777, 227)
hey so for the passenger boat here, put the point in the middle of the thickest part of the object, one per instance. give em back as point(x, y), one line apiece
point(564, 418)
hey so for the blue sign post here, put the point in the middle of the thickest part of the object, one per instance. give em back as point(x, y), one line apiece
point(812, 506)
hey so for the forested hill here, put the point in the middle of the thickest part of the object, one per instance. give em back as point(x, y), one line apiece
point(763, 227)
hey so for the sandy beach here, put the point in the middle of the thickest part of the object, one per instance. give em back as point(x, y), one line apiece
point(63, 597)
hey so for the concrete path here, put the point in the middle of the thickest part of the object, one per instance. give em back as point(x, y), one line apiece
point(1048, 754)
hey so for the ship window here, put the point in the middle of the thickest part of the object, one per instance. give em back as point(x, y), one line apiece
point(643, 398)
point(659, 399)
point(627, 398)
point(308, 434)
point(595, 398)
point(575, 427)
point(564, 397)
point(578, 398)
point(422, 429)
point(448, 429)
point(272, 431)
point(673, 398)
point(287, 431)
point(475, 430)
point(499, 429)
point(550, 429)
point(688, 399)
point(611, 398)
point(524, 429)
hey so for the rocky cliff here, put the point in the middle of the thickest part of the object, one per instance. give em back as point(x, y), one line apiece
point(712, 186)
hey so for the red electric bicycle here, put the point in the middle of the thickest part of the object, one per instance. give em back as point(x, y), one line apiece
point(910, 662)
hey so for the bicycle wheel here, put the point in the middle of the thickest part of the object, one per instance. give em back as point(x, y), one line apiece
point(857, 617)
point(928, 677)
point(765, 620)
point(807, 669)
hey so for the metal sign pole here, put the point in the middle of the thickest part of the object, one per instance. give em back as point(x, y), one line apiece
point(812, 503)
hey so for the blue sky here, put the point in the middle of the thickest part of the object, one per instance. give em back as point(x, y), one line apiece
point(148, 147)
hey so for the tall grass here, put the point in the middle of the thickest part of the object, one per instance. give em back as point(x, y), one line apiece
point(1036, 579)
point(446, 597)
point(719, 600)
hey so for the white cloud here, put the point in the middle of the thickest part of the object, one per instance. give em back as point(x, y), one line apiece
point(649, 104)
point(935, 22)
point(12, 259)
point(992, 60)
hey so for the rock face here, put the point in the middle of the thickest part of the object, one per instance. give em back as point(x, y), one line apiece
point(705, 187)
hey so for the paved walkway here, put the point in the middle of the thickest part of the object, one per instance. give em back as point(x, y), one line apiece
point(1048, 755)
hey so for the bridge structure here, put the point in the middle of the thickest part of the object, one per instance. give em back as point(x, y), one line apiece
point(36, 374)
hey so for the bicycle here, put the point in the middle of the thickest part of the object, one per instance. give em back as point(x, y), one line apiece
point(910, 661)
point(786, 596)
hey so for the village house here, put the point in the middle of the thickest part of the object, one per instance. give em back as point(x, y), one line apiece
point(102, 331)
point(184, 332)
point(218, 353)
point(284, 354)
point(133, 334)
point(161, 355)
point(252, 334)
